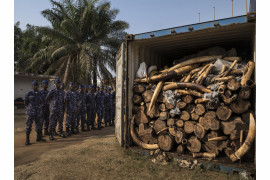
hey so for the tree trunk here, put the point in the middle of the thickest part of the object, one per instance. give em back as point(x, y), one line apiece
point(94, 71)
point(165, 142)
point(67, 71)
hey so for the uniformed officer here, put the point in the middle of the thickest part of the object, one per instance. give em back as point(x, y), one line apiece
point(91, 107)
point(113, 107)
point(100, 105)
point(33, 102)
point(55, 100)
point(71, 109)
point(107, 104)
point(78, 116)
point(82, 107)
point(45, 107)
point(62, 109)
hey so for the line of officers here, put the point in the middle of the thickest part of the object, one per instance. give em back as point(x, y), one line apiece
point(80, 103)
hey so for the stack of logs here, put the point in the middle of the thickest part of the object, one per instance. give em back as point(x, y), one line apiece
point(204, 127)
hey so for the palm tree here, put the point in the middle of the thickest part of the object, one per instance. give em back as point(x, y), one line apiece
point(84, 39)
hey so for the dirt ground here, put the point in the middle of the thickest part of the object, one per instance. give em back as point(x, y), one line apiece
point(91, 155)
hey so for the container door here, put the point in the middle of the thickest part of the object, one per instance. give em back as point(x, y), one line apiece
point(119, 109)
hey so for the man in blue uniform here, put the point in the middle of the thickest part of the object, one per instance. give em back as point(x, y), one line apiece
point(100, 105)
point(54, 98)
point(71, 109)
point(45, 107)
point(108, 107)
point(62, 109)
point(33, 102)
point(82, 107)
point(91, 107)
point(113, 107)
point(77, 121)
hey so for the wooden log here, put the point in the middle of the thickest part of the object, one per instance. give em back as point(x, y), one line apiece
point(223, 113)
point(214, 124)
point(199, 130)
point(210, 147)
point(160, 97)
point(187, 99)
point(194, 116)
point(240, 106)
point(213, 104)
point(244, 92)
point(230, 68)
point(154, 112)
point(159, 125)
point(179, 135)
point(225, 79)
point(210, 114)
point(135, 109)
point(183, 85)
point(222, 88)
point(204, 122)
point(172, 130)
point(155, 95)
point(139, 89)
point(165, 142)
point(204, 155)
point(137, 99)
point(189, 127)
point(162, 107)
point(247, 73)
point(209, 123)
point(200, 109)
point(163, 115)
point(201, 100)
point(180, 149)
point(228, 100)
point(233, 128)
point(237, 71)
point(148, 139)
point(170, 122)
point(233, 85)
point(188, 92)
point(184, 115)
point(193, 61)
point(194, 145)
point(168, 105)
point(147, 95)
point(181, 105)
point(190, 108)
point(179, 123)
point(140, 117)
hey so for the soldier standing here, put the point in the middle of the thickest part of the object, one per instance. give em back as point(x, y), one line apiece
point(113, 107)
point(77, 94)
point(99, 105)
point(108, 107)
point(33, 101)
point(71, 109)
point(54, 98)
point(62, 109)
point(45, 107)
point(91, 107)
point(82, 106)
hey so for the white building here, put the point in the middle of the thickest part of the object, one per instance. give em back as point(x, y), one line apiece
point(23, 83)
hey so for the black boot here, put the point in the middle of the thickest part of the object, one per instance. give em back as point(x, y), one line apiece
point(93, 128)
point(39, 137)
point(87, 128)
point(55, 133)
point(51, 136)
point(77, 130)
point(72, 131)
point(82, 128)
point(61, 134)
point(27, 141)
point(46, 132)
point(67, 131)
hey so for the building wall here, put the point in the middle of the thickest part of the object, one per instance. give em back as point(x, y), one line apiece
point(22, 85)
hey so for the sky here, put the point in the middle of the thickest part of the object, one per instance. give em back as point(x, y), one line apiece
point(143, 15)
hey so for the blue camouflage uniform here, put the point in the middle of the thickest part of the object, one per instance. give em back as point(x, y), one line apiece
point(55, 100)
point(45, 107)
point(82, 108)
point(78, 114)
point(33, 110)
point(91, 107)
point(71, 102)
point(108, 108)
point(62, 110)
point(100, 106)
point(113, 106)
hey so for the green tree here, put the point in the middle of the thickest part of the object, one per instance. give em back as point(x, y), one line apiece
point(84, 37)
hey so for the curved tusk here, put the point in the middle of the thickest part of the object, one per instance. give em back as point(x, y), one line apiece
point(137, 140)
point(248, 142)
point(221, 138)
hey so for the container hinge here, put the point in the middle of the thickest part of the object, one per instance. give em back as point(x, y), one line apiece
point(129, 37)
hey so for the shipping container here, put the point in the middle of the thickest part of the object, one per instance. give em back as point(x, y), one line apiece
point(162, 47)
